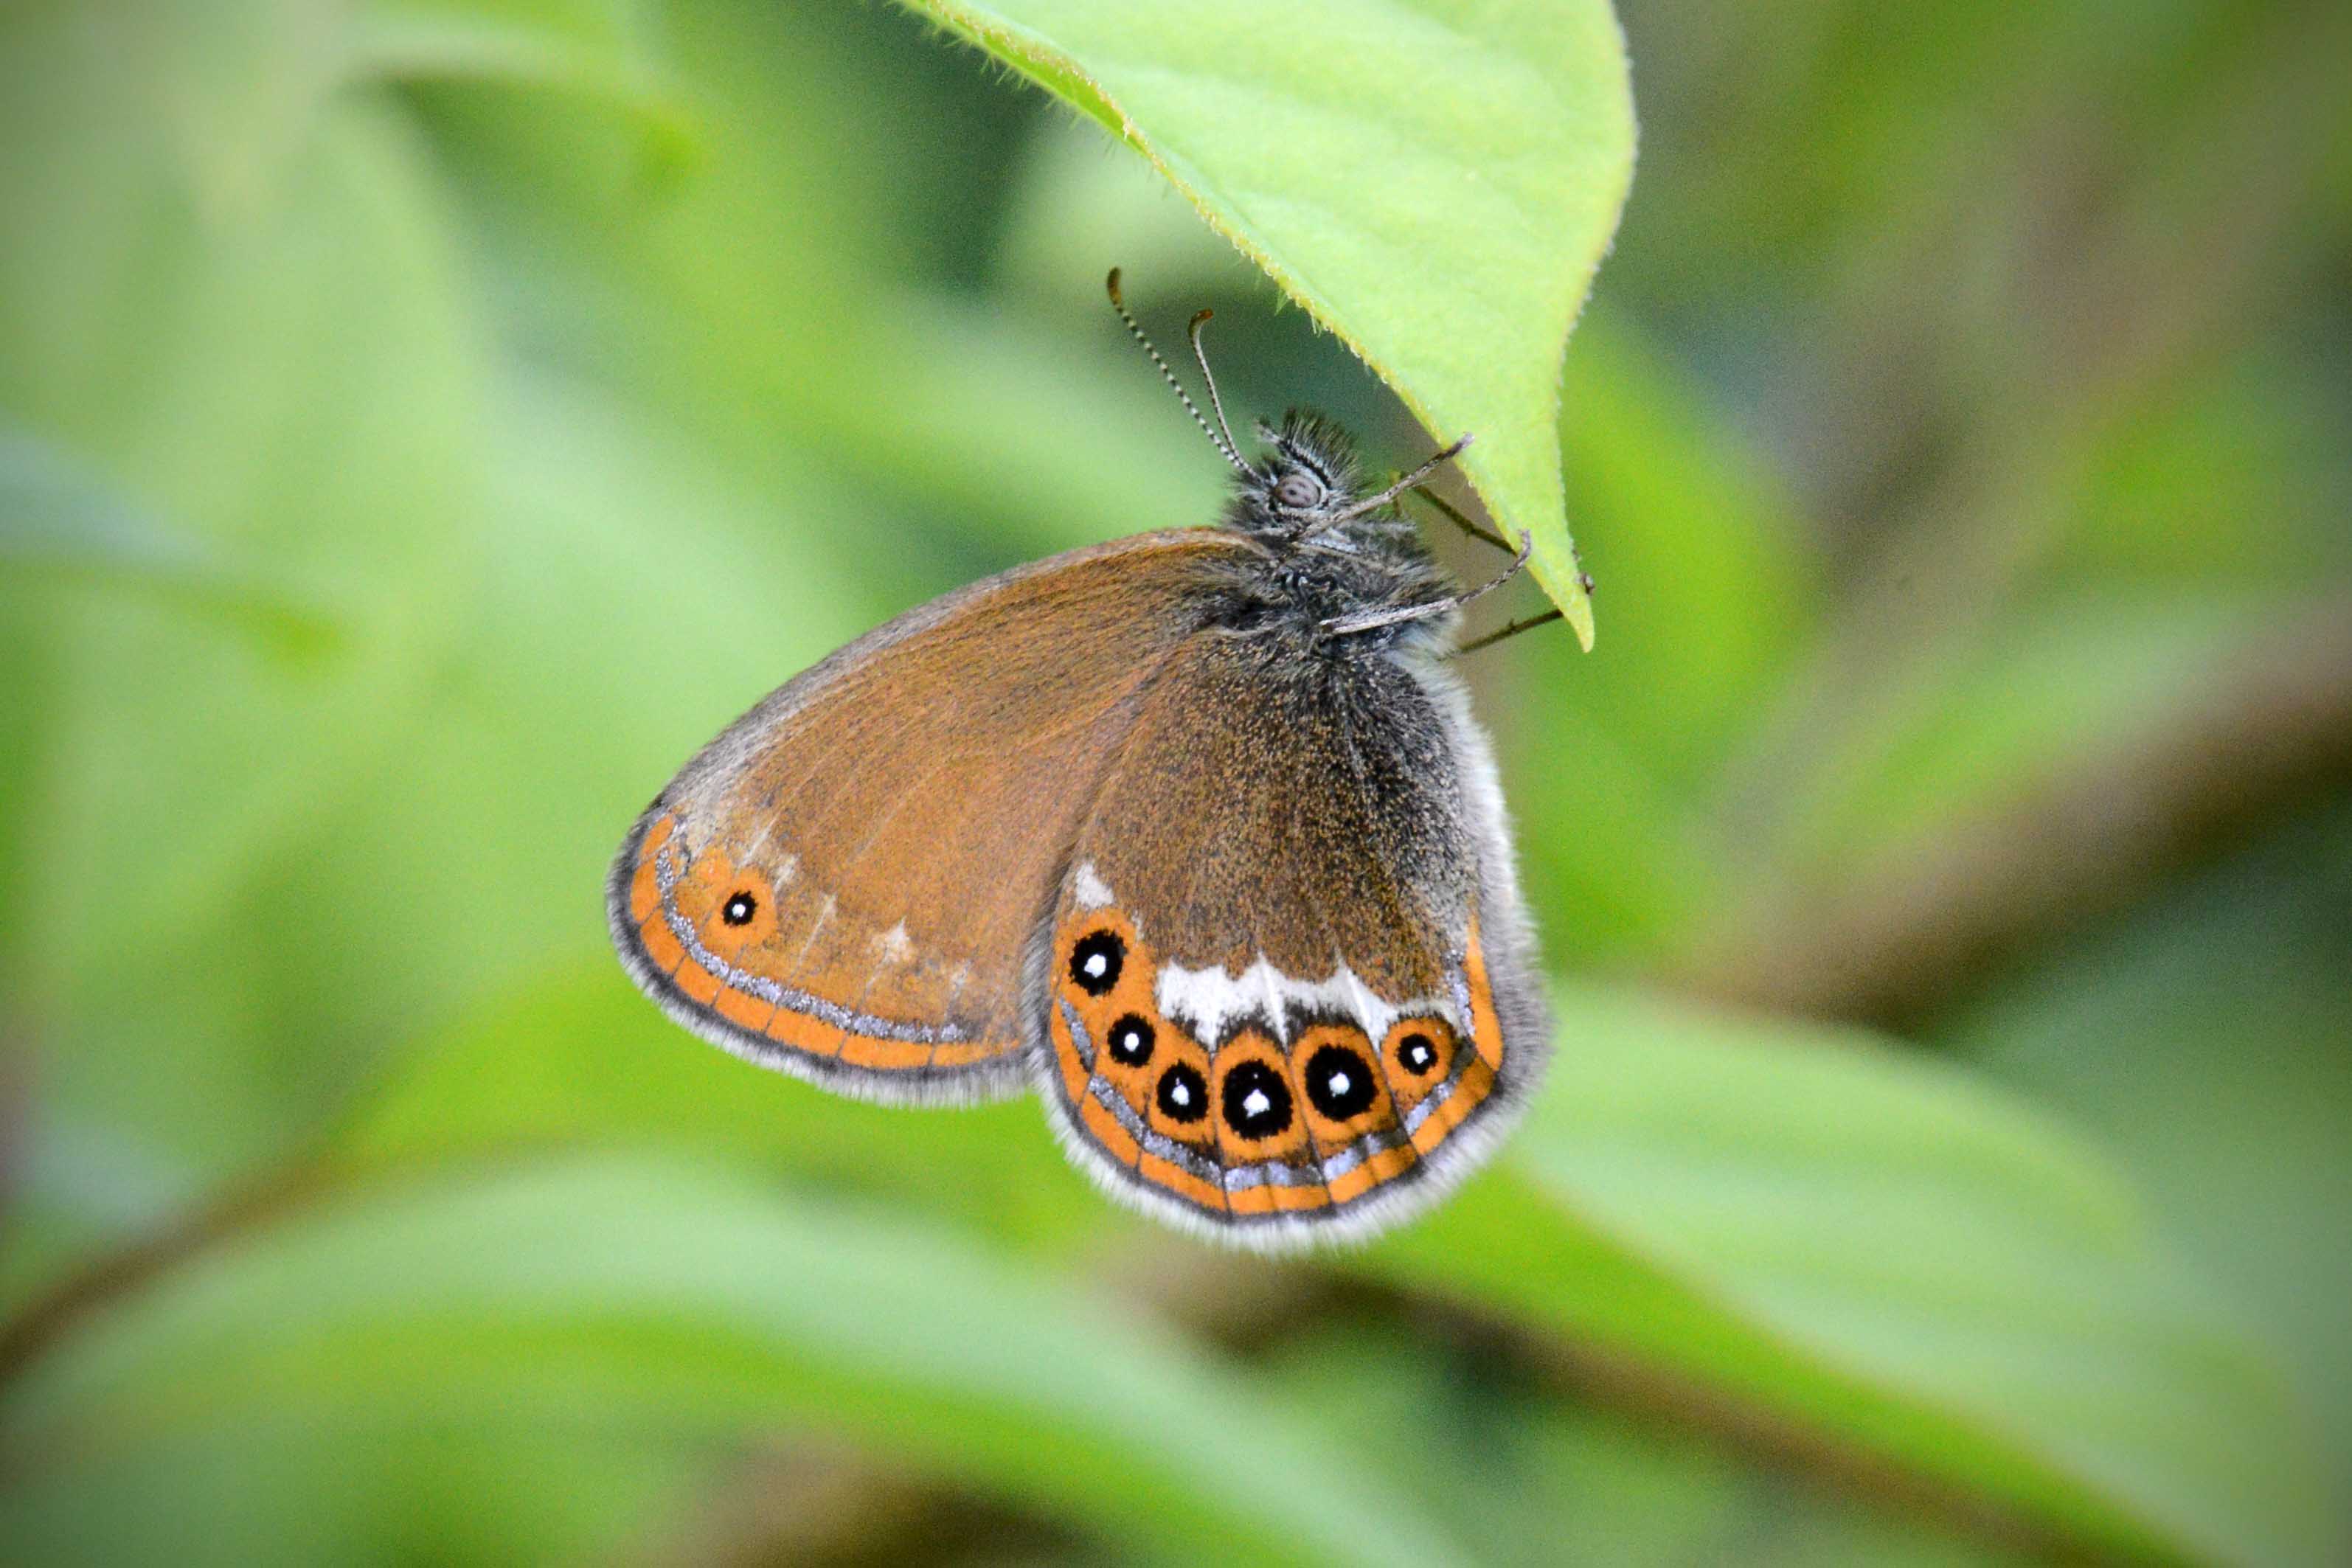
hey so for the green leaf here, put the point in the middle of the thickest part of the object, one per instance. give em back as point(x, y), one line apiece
point(1437, 185)
point(2228, 1099)
point(288, 1489)
point(1700, 562)
point(580, 1057)
point(624, 1295)
point(1868, 1246)
point(1555, 1480)
point(56, 517)
point(594, 51)
point(2061, 679)
point(292, 401)
point(1875, 1247)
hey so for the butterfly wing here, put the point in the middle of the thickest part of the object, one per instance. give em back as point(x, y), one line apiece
point(843, 884)
point(1284, 989)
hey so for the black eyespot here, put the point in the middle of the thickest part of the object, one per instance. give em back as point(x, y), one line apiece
point(1095, 961)
point(1297, 491)
point(1130, 1041)
point(1258, 1102)
point(1417, 1054)
point(739, 909)
point(1339, 1082)
point(1183, 1094)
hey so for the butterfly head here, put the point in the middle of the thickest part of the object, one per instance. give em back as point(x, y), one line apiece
point(1303, 484)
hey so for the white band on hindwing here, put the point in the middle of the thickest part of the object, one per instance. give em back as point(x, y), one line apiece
point(1210, 1005)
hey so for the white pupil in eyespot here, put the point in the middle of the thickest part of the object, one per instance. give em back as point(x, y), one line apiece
point(1255, 1103)
point(1180, 1094)
point(1339, 1082)
point(1096, 963)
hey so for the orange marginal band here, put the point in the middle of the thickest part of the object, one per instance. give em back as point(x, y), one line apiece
point(1388, 1152)
point(1485, 1026)
point(756, 1015)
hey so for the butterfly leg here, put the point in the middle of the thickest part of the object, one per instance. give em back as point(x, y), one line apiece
point(1344, 625)
point(1525, 624)
point(1462, 520)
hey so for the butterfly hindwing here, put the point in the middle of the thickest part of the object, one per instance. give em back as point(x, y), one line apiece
point(1283, 989)
point(843, 884)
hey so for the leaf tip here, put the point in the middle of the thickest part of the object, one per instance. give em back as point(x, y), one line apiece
point(1578, 608)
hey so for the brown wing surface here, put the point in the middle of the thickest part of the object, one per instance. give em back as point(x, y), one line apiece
point(1285, 990)
point(843, 884)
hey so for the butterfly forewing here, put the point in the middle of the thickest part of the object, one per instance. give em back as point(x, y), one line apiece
point(844, 884)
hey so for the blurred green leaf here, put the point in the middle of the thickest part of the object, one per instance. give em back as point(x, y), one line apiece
point(1557, 1477)
point(298, 1486)
point(61, 521)
point(1435, 188)
point(304, 402)
point(598, 50)
point(1867, 1244)
point(619, 1295)
point(1705, 570)
point(1871, 1245)
point(1697, 547)
point(2165, 499)
point(2066, 678)
point(234, 92)
point(1076, 197)
point(577, 1056)
point(2204, 1042)
point(789, 347)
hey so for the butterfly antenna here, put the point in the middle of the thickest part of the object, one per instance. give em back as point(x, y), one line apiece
point(1343, 626)
point(1233, 452)
point(1224, 447)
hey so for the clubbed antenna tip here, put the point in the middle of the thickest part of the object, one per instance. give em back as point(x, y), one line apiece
point(1223, 443)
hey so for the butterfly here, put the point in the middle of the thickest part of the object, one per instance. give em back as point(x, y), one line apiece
point(1193, 833)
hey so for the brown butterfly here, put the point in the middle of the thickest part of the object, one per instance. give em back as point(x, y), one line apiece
point(1192, 833)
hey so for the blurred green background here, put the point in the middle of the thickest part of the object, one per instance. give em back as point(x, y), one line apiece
point(421, 426)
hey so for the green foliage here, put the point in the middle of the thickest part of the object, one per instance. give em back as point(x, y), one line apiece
point(1858, 1242)
point(1436, 189)
point(422, 424)
point(1879, 1249)
point(610, 1296)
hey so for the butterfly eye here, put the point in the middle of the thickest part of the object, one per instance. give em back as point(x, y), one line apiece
point(1297, 491)
point(739, 909)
